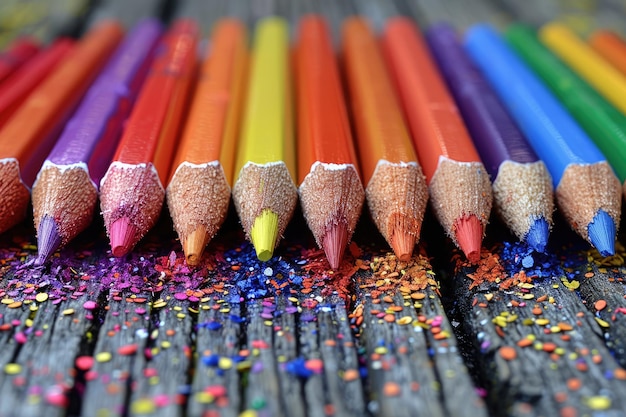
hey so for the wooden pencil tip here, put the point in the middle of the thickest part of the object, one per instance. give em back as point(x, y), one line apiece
point(334, 243)
point(402, 244)
point(264, 233)
point(48, 239)
point(123, 236)
point(602, 233)
point(537, 236)
point(194, 245)
point(469, 234)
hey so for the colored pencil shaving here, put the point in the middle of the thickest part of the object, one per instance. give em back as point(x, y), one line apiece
point(65, 192)
point(131, 191)
point(604, 124)
point(331, 193)
point(605, 78)
point(396, 189)
point(460, 190)
point(26, 139)
point(16, 88)
point(264, 192)
point(199, 192)
point(16, 55)
point(611, 47)
point(587, 191)
point(522, 187)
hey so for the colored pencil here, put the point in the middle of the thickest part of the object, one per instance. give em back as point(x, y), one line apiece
point(198, 193)
point(65, 192)
point(605, 78)
point(26, 139)
point(17, 86)
point(131, 191)
point(460, 189)
point(16, 55)
point(587, 191)
point(611, 47)
point(264, 192)
point(396, 189)
point(603, 123)
point(331, 193)
point(522, 187)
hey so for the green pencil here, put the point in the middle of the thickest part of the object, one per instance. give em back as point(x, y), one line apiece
point(602, 122)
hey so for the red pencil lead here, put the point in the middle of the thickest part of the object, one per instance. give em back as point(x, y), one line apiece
point(469, 233)
point(122, 234)
point(334, 243)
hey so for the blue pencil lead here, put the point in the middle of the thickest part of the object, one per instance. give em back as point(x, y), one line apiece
point(537, 236)
point(602, 233)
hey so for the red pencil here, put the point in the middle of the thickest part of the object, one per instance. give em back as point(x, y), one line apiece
point(20, 51)
point(19, 84)
point(331, 192)
point(132, 190)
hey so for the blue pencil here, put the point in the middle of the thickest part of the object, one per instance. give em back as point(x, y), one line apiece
point(587, 190)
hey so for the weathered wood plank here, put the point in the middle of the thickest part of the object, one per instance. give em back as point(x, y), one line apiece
point(125, 332)
point(414, 364)
point(218, 385)
point(537, 349)
point(59, 334)
point(602, 290)
point(330, 339)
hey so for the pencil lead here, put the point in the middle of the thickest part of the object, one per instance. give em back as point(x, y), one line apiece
point(264, 233)
point(537, 236)
point(402, 243)
point(602, 233)
point(48, 239)
point(469, 234)
point(123, 235)
point(194, 245)
point(334, 243)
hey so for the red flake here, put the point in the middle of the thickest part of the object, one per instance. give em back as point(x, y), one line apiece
point(127, 349)
point(84, 363)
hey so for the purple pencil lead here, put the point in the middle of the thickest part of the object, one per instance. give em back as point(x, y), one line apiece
point(48, 239)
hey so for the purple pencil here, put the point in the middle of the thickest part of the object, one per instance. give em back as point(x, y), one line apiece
point(66, 189)
point(522, 186)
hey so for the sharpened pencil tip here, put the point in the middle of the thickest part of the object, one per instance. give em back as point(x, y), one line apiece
point(602, 233)
point(469, 234)
point(334, 243)
point(48, 239)
point(194, 245)
point(264, 233)
point(537, 236)
point(123, 236)
point(402, 244)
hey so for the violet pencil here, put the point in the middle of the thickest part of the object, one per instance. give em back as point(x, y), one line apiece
point(66, 189)
point(522, 186)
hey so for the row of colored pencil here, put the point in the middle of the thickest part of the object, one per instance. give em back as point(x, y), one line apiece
point(138, 120)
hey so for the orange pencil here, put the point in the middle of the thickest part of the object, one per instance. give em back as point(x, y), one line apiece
point(331, 193)
point(131, 191)
point(396, 190)
point(199, 190)
point(460, 189)
point(28, 136)
point(611, 46)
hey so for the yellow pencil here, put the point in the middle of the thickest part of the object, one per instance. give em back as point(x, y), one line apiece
point(264, 193)
point(607, 80)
